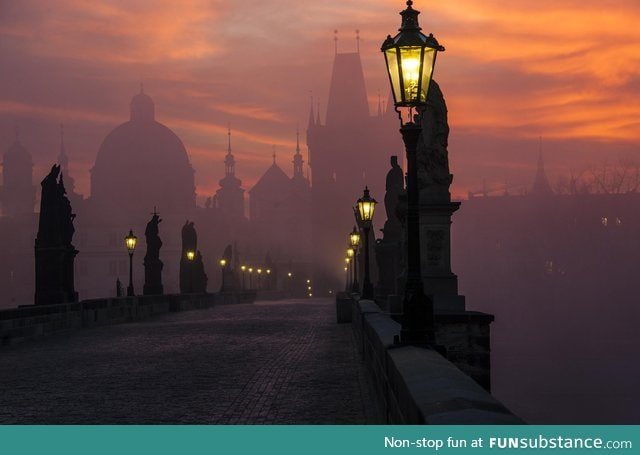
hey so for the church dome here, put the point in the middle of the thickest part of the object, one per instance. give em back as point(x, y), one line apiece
point(142, 164)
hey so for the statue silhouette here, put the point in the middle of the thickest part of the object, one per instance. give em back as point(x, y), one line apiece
point(54, 252)
point(152, 263)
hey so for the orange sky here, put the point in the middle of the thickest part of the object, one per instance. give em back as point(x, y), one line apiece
point(513, 71)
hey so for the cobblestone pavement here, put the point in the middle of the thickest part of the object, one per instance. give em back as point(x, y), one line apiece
point(279, 362)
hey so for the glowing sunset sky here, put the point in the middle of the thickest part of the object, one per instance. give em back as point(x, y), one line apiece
point(513, 71)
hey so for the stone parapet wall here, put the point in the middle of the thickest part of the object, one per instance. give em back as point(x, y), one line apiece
point(415, 385)
point(31, 322)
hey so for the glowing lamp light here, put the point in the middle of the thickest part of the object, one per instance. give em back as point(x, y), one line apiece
point(366, 206)
point(289, 274)
point(268, 271)
point(259, 271)
point(350, 252)
point(223, 262)
point(354, 238)
point(191, 255)
point(130, 241)
point(410, 57)
point(243, 267)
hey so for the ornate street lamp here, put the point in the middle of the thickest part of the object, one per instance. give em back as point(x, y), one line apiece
point(223, 264)
point(354, 240)
point(366, 207)
point(410, 57)
point(243, 268)
point(130, 241)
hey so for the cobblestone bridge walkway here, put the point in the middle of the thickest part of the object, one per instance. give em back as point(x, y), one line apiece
point(271, 362)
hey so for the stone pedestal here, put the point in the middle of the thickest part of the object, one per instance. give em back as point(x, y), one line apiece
point(435, 244)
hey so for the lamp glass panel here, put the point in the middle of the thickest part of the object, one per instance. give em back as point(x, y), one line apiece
point(391, 57)
point(428, 61)
point(411, 66)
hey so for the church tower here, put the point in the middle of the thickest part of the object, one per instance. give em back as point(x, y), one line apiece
point(349, 151)
point(18, 192)
point(230, 196)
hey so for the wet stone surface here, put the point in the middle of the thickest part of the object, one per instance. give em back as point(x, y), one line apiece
point(284, 362)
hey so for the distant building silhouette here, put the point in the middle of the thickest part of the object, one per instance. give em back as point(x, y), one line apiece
point(279, 211)
point(230, 196)
point(349, 150)
point(140, 165)
point(18, 194)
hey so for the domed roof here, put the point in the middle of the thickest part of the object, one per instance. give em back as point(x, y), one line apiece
point(142, 164)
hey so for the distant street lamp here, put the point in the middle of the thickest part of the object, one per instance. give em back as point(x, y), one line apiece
point(366, 207)
point(347, 260)
point(352, 260)
point(250, 278)
point(243, 268)
point(130, 241)
point(223, 263)
point(410, 57)
point(259, 278)
point(354, 240)
point(268, 279)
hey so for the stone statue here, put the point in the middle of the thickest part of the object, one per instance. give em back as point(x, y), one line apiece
point(54, 252)
point(228, 254)
point(394, 189)
point(434, 177)
point(192, 276)
point(189, 237)
point(152, 263)
point(389, 250)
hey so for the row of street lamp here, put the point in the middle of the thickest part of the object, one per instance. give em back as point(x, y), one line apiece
point(130, 242)
point(410, 57)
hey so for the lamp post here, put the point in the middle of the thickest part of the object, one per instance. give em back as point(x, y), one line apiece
point(130, 241)
point(366, 207)
point(354, 240)
point(259, 278)
point(243, 268)
point(410, 57)
point(223, 263)
point(250, 278)
point(269, 284)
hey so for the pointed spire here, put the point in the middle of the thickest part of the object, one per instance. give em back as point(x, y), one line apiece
point(141, 88)
point(312, 117)
point(541, 185)
point(335, 39)
point(16, 131)
point(274, 153)
point(318, 114)
point(229, 161)
point(297, 159)
point(357, 41)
